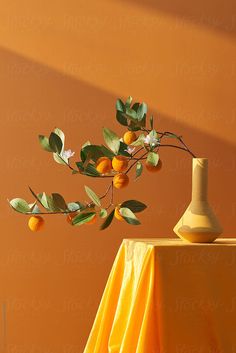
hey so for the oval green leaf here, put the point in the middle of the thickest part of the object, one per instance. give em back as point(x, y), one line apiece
point(59, 201)
point(128, 102)
point(129, 216)
point(134, 205)
point(55, 143)
point(111, 139)
point(120, 105)
point(139, 169)
point(103, 213)
point(92, 195)
point(83, 218)
point(74, 206)
point(107, 221)
point(61, 134)
point(20, 205)
point(44, 142)
point(121, 118)
point(142, 111)
point(153, 158)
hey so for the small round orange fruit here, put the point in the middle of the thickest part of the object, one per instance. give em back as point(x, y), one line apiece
point(152, 168)
point(92, 220)
point(129, 137)
point(104, 165)
point(120, 180)
point(35, 223)
point(120, 163)
point(70, 217)
point(118, 215)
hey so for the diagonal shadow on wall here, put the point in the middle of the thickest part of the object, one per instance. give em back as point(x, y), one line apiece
point(216, 15)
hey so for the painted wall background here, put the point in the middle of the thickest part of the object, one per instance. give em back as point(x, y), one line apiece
point(64, 64)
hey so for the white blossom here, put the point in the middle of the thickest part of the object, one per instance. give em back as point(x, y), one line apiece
point(67, 154)
point(130, 149)
point(151, 140)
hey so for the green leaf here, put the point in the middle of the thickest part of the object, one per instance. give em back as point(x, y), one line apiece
point(87, 160)
point(139, 169)
point(122, 149)
point(153, 158)
point(134, 205)
point(129, 216)
point(87, 143)
point(153, 133)
point(131, 113)
point(59, 201)
point(52, 207)
point(55, 143)
point(82, 155)
point(92, 195)
point(61, 134)
point(143, 121)
point(75, 206)
point(107, 221)
point(95, 152)
point(120, 117)
point(128, 102)
point(91, 171)
point(106, 152)
point(44, 142)
point(43, 199)
point(135, 106)
point(35, 209)
point(120, 106)
point(79, 165)
point(134, 126)
point(20, 205)
point(103, 213)
point(59, 159)
point(75, 171)
point(139, 141)
point(142, 110)
point(151, 121)
point(83, 218)
point(111, 139)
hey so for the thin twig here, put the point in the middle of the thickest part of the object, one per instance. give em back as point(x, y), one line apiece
point(57, 212)
point(179, 147)
point(107, 191)
point(138, 159)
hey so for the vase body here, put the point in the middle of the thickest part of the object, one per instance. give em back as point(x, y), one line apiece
point(199, 223)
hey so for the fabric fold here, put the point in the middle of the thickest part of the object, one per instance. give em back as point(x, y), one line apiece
point(166, 296)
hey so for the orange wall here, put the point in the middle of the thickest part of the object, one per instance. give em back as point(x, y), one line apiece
point(64, 64)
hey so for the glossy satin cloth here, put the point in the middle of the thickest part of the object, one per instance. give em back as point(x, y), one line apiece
point(167, 296)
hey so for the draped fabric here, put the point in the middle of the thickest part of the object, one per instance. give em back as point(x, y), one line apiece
point(168, 296)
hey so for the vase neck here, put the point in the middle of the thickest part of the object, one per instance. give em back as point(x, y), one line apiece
point(199, 179)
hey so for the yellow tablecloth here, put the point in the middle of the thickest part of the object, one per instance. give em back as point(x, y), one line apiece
point(167, 296)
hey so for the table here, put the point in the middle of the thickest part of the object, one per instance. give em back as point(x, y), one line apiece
point(168, 296)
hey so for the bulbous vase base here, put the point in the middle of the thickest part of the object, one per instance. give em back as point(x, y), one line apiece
point(196, 237)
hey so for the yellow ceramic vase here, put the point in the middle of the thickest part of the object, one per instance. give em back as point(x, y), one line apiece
point(199, 223)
